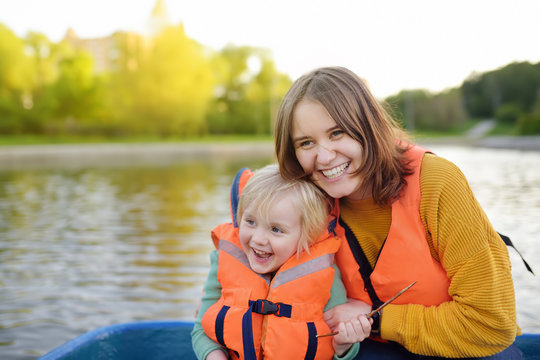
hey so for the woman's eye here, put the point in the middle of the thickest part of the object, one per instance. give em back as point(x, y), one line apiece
point(305, 143)
point(337, 133)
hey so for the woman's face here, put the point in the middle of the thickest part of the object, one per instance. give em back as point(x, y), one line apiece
point(326, 152)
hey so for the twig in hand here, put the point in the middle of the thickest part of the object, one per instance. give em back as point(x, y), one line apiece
point(389, 300)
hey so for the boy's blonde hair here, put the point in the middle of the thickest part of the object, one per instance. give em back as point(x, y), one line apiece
point(267, 186)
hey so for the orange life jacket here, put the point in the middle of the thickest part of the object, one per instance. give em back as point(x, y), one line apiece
point(405, 256)
point(276, 318)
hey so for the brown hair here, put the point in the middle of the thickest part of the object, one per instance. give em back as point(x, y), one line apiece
point(351, 105)
point(267, 186)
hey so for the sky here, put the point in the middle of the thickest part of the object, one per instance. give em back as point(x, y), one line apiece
point(392, 44)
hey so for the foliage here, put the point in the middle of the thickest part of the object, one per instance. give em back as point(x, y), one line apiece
point(421, 110)
point(529, 124)
point(15, 81)
point(516, 83)
point(168, 85)
point(249, 91)
point(508, 113)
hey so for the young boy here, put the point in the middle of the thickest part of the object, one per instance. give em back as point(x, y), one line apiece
point(276, 276)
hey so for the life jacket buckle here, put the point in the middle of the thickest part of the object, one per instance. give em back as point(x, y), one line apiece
point(265, 307)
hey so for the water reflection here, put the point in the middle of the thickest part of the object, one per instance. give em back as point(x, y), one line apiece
point(83, 247)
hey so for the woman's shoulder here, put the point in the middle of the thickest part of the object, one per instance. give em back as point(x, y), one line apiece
point(434, 167)
point(438, 174)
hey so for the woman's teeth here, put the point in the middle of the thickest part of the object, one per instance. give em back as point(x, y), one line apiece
point(335, 172)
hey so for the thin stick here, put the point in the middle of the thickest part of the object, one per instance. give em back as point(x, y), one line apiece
point(374, 311)
point(329, 334)
point(389, 300)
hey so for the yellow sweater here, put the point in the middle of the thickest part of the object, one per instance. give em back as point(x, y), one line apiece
point(481, 318)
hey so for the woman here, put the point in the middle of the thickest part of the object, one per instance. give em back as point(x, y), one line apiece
point(408, 215)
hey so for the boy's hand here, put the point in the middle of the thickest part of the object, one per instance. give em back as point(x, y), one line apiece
point(216, 355)
point(350, 332)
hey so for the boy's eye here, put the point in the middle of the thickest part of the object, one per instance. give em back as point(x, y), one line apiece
point(276, 229)
point(249, 222)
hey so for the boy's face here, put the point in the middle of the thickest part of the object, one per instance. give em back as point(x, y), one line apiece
point(271, 240)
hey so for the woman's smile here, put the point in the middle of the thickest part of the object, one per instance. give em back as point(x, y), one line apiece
point(336, 171)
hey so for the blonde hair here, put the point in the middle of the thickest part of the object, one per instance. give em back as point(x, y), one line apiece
point(351, 105)
point(267, 186)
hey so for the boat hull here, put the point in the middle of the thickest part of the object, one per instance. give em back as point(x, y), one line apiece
point(163, 340)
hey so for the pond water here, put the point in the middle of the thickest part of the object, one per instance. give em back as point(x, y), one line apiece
point(84, 246)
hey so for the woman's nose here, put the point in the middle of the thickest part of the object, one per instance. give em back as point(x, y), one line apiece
point(325, 154)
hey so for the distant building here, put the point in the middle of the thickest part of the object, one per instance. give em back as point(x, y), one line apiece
point(104, 50)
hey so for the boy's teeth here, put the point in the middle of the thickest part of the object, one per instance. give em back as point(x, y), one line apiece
point(261, 253)
point(335, 172)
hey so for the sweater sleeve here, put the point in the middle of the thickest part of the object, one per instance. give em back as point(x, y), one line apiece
point(202, 344)
point(338, 296)
point(480, 320)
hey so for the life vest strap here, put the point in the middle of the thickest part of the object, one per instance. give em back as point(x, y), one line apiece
point(508, 242)
point(364, 266)
point(312, 342)
point(266, 307)
point(220, 319)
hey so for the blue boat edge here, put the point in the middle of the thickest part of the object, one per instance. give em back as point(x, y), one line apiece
point(162, 340)
point(171, 339)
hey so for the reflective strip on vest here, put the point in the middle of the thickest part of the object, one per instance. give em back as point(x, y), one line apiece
point(309, 267)
point(240, 255)
point(306, 268)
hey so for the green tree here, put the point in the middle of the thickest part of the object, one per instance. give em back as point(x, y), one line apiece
point(15, 81)
point(515, 83)
point(422, 110)
point(172, 86)
point(249, 91)
point(75, 91)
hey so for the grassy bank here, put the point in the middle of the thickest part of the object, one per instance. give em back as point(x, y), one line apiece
point(12, 140)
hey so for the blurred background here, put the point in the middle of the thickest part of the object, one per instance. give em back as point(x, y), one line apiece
point(123, 123)
point(157, 68)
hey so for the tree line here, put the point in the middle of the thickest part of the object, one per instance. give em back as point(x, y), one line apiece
point(510, 95)
point(171, 85)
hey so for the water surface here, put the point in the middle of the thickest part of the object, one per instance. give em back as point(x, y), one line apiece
point(84, 246)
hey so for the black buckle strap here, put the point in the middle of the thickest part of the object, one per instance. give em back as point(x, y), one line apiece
point(266, 307)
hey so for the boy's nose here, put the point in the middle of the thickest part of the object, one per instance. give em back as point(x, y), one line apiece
point(258, 237)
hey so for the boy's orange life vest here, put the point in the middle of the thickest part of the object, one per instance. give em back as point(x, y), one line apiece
point(405, 256)
point(276, 318)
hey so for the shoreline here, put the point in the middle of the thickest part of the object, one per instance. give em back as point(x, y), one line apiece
point(159, 153)
point(523, 143)
point(118, 154)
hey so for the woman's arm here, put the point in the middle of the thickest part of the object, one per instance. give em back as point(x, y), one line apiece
point(202, 344)
point(481, 318)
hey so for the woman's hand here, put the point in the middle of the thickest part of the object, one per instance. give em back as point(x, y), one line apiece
point(352, 309)
point(351, 332)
